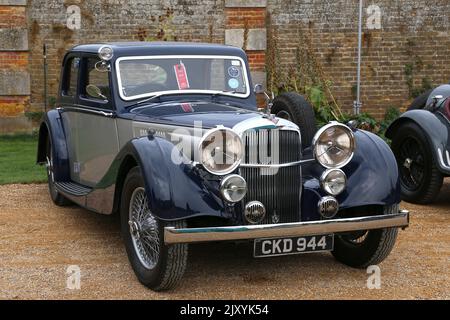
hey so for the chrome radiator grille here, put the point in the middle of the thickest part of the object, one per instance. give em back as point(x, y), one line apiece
point(279, 189)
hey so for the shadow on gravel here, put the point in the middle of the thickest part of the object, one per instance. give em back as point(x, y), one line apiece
point(443, 200)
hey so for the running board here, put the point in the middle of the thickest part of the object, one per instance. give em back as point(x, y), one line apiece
point(97, 200)
point(72, 188)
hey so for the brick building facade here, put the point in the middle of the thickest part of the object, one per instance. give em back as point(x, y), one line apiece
point(408, 49)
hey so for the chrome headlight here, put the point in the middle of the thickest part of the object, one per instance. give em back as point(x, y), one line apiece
point(220, 151)
point(334, 145)
point(233, 188)
point(333, 181)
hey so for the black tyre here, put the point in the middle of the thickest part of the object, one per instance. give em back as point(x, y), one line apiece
point(55, 195)
point(294, 107)
point(365, 248)
point(156, 265)
point(420, 179)
point(420, 101)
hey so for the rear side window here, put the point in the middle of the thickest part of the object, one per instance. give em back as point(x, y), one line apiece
point(71, 77)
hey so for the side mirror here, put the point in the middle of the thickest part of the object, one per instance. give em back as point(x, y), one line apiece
point(95, 92)
point(102, 66)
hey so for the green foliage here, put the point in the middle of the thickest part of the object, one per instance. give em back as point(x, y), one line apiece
point(325, 113)
point(365, 121)
point(426, 85)
point(322, 108)
point(391, 114)
point(51, 101)
point(18, 160)
point(306, 77)
point(413, 67)
point(35, 116)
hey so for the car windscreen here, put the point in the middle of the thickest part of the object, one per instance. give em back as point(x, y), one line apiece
point(140, 77)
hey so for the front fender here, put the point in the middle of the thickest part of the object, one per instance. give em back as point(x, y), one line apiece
point(372, 178)
point(372, 174)
point(436, 129)
point(175, 191)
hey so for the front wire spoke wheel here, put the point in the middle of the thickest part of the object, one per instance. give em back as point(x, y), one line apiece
point(157, 265)
point(356, 238)
point(144, 229)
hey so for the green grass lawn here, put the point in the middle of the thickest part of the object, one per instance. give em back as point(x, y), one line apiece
point(18, 160)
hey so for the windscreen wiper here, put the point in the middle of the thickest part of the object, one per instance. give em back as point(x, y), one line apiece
point(144, 100)
point(220, 92)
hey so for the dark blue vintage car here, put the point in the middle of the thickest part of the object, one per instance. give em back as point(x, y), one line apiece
point(421, 144)
point(169, 136)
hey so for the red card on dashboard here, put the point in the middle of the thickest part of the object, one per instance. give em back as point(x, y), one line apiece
point(182, 79)
point(187, 107)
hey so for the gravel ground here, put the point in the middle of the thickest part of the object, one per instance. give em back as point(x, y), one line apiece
point(38, 241)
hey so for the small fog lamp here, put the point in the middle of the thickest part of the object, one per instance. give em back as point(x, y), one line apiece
point(233, 188)
point(333, 181)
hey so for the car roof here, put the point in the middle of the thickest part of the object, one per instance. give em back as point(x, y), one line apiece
point(162, 48)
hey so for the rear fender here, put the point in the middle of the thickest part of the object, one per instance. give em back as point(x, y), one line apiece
point(52, 128)
point(437, 130)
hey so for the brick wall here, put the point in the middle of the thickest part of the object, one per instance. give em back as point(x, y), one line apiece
point(412, 46)
point(413, 34)
point(115, 20)
point(14, 59)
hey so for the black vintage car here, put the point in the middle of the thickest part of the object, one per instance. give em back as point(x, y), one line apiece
point(421, 144)
point(168, 136)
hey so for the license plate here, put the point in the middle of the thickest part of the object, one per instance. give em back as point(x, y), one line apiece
point(292, 245)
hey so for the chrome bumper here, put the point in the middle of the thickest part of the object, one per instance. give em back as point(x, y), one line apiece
point(190, 235)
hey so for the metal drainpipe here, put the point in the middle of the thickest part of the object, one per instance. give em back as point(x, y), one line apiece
point(45, 77)
point(357, 104)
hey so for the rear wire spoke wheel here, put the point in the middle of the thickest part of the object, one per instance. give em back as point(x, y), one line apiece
point(157, 266)
point(420, 179)
point(55, 195)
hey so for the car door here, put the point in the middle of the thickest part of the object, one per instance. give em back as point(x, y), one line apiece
point(90, 124)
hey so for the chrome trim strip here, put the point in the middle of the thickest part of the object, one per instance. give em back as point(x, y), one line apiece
point(88, 110)
point(441, 159)
point(260, 120)
point(247, 232)
point(282, 165)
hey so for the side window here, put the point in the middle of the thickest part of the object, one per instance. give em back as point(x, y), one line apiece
point(71, 77)
point(98, 78)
